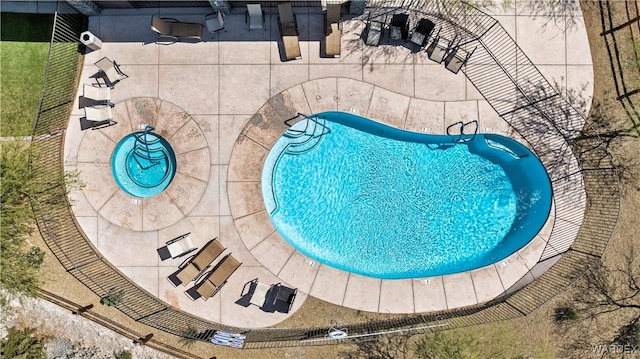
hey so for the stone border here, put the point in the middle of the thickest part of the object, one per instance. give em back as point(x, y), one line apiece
point(178, 199)
point(327, 283)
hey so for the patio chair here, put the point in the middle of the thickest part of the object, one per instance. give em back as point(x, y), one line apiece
point(457, 58)
point(258, 292)
point(217, 277)
point(332, 30)
point(254, 17)
point(374, 32)
point(399, 27)
point(284, 298)
point(95, 96)
point(438, 49)
point(177, 247)
point(96, 118)
point(197, 264)
point(110, 71)
point(175, 30)
point(420, 35)
point(214, 22)
point(289, 31)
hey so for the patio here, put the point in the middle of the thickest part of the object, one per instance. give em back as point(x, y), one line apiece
point(221, 83)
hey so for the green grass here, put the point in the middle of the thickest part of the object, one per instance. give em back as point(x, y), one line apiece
point(24, 47)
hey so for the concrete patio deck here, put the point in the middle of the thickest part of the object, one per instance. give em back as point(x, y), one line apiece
point(203, 98)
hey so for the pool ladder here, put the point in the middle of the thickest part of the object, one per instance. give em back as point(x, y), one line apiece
point(142, 147)
point(305, 140)
point(463, 137)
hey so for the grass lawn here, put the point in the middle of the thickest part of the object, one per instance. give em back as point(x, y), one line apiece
point(24, 47)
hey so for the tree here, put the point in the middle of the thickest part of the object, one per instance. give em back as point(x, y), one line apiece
point(607, 303)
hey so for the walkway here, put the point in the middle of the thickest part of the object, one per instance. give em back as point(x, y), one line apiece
point(221, 83)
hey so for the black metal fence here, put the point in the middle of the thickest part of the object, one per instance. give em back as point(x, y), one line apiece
point(507, 80)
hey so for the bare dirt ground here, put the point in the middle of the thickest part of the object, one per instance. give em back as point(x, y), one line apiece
point(533, 336)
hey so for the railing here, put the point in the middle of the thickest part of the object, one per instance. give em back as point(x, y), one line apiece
point(553, 128)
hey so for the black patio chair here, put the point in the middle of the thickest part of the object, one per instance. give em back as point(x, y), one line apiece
point(420, 35)
point(399, 27)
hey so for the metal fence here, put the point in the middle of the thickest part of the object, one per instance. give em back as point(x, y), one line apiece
point(498, 69)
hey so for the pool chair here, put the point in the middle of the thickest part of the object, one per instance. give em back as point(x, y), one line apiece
point(374, 32)
point(420, 35)
point(177, 247)
point(288, 26)
point(457, 58)
point(332, 30)
point(284, 298)
point(257, 293)
point(254, 17)
point(438, 49)
point(216, 278)
point(399, 27)
point(193, 268)
point(110, 71)
point(175, 30)
point(96, 118)
point(214, 22)
point(95, 96)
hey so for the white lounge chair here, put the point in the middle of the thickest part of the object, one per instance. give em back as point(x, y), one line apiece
point(111, 73)
point(96, 118)
point(255, 17)
point(95, 96)
point(177, 247)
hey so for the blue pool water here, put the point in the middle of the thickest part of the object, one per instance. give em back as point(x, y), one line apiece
point(143, 170)
point(374, 200)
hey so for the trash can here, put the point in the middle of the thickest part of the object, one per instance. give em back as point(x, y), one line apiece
point(90, 40)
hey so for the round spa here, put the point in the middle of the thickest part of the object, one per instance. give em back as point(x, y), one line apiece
point(143, 164)
point(370, 199)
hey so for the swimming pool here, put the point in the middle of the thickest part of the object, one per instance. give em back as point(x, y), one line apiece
point(382, 202)
point(143, 164)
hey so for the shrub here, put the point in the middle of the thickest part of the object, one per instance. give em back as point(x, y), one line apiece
point(125, 354)
point(113, 298)
point(563, 314)
point(22, 344)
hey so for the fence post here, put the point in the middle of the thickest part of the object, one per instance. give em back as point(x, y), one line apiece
point(82, 309)
point(143, 341)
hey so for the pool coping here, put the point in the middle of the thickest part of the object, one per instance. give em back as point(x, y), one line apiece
point(325, 282)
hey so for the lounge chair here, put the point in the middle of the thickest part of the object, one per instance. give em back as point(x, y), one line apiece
point(177, 247)
point(214, 22)
point(456, 59)
point(258, 292)
point(420, 35)
point(374, 32)
point(399, 27)
point(198, 263)
point(284, 298)
point(95, 96)
point(289, 31)
point(438, 49)
point(255, 17)
point(333, 33)
point(176, 30)
point(96, 118)
point(110, 71)
point(217, 277)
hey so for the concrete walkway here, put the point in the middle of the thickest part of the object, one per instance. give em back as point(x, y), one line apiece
point(202, 96)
